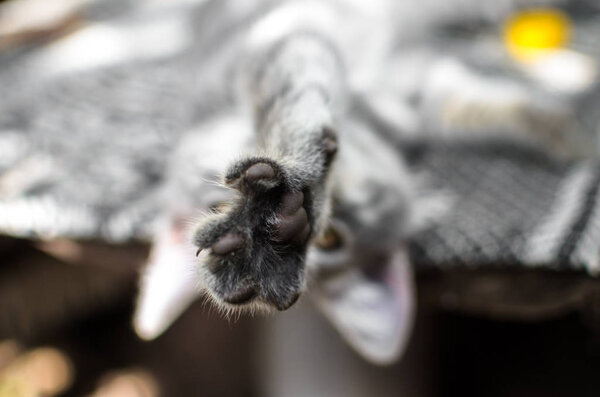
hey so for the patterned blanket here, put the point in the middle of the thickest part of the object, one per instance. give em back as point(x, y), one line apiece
point(88, 123)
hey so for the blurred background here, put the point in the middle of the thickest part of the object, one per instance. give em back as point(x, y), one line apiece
point(114, 77)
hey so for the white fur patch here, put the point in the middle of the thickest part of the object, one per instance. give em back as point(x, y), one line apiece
point(564, 71)
point(168, 287)
point(289, 18)
point(375, 317)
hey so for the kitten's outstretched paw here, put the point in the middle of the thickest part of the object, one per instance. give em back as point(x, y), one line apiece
point(256, 249)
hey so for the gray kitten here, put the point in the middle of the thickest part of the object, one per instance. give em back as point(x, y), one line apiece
point(296, 191)
point(312, 192)
point(295, 122)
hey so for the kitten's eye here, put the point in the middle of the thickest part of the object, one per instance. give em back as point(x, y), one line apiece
point(330, 240)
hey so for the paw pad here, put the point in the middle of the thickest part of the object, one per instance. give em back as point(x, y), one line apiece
point(292, 226)
point(260, 171)
point(254, 176)
point(227, 244)
point(242, 294)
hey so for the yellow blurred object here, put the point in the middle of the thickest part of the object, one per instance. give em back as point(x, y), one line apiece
point(127, 383)
point(534, 33)
point(16, 387)
point(9, 350)
point(41, 372)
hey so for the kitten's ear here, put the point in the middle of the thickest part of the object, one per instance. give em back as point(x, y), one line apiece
point(375, 312)
point(167, 285)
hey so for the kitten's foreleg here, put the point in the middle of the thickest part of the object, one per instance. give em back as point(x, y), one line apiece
point(256, 247)
point(297, 90)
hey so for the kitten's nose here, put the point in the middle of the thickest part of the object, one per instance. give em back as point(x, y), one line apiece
point(241, 294)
